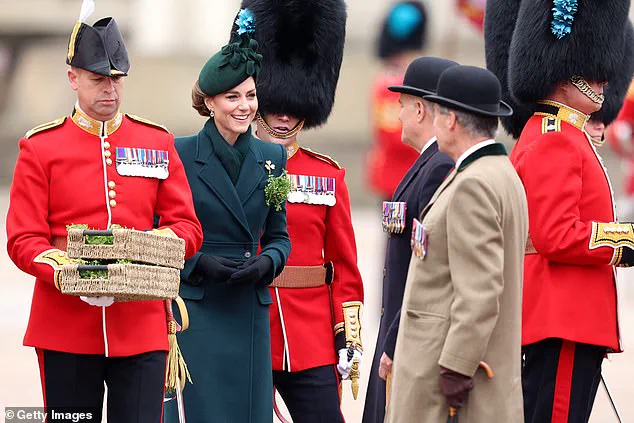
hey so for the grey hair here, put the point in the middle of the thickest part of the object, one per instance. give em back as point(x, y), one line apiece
point(475, 125)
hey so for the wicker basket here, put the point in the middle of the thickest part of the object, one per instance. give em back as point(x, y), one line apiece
point(125, 282)
point(129, 244)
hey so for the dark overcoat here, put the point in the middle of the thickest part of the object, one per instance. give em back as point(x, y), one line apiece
point(416, 189)
point(227, 346)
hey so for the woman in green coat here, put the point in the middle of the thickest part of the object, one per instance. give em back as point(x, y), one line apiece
point(227, 345)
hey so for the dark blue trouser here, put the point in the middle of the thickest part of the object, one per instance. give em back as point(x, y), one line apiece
point(74, 383)
point(560, 380)
point(311, 395)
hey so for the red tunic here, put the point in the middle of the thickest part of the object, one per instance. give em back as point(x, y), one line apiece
point(65, 174)
point(302, 330)
point(620, 136)
point(569, 288)
point(389, 159)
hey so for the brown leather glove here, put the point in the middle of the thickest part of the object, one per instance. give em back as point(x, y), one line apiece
point(455, 387)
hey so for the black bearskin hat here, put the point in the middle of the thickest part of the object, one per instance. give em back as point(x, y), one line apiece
point(553, 40)
point(616, 89)
point(499, 23)
point(301, 42)
point(404, 28)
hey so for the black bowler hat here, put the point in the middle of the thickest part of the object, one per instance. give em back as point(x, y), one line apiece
point(470, 89)
point(421, 76)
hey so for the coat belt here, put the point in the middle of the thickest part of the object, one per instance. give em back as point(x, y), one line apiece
point(304, 276)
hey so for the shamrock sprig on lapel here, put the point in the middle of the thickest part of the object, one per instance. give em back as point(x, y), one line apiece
point(277, 187)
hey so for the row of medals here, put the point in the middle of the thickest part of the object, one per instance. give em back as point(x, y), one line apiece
point(319, 190)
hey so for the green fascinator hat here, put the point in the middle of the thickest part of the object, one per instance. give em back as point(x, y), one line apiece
point(235, 62)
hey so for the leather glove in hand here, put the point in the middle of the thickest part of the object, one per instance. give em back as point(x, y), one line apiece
point(253, 270)
point(102, 301)
point(455, 387)
point(344, 365)
point(215, 268)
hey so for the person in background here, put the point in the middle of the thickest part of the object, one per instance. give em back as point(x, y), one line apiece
point(411, 197)
point(70, 171)
point(320, 288)
point(620, 138)
point(402, 38)
point(227, 346)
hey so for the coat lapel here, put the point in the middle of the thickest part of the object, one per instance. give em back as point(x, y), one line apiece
point(251, 173)
point(414, 170)
point(448, 180)
point(213, 174)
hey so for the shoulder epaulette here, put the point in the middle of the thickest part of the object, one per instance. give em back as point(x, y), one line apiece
point(551, 124)
point(45, 127)
point(146, 121)
point(321, 157)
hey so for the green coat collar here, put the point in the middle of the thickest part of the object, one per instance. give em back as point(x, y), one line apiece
point(495, 149)
point(214, 175)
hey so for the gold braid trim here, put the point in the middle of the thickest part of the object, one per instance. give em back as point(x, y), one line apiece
point(352, 313)
point(611, 235)
point(616, 258)
point(71, 42)
point(565, 113)
point(339, 327)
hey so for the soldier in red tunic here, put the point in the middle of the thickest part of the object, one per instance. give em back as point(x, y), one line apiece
point(620, 137)
point(401, 40)
point(560, 70)
point(317, 300)
point(79, 169)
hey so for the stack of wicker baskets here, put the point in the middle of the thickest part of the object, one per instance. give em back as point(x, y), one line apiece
point(150, 268)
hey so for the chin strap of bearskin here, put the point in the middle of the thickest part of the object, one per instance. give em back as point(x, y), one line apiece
point(586, 89)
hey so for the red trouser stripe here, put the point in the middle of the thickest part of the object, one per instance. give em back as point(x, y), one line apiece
point(40, 362)
point(563, 382)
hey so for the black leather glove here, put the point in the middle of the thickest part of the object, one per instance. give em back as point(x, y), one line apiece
point(253, 271)
point(455, 387)
point(216, 269)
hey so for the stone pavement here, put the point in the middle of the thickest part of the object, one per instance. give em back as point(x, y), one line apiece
point(19, 376)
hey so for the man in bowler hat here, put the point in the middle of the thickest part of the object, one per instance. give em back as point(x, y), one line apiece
point(462, 302)
point(411, 196)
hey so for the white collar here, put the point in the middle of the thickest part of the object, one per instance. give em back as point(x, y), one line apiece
point(472, 150)
point(429, 143)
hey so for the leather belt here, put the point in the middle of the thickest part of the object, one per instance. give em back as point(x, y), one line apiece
point(530, 248)
point(304, 276)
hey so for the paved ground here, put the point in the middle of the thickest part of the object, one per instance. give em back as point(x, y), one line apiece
point(19, 377)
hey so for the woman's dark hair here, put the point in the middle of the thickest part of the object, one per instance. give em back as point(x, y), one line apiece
point(198, 101)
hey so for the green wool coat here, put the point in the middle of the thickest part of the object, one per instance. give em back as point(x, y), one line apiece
point(227, 346)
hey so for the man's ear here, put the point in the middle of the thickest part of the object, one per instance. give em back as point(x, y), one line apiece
point(73, 77)
point(452, 121)
point(420, 111)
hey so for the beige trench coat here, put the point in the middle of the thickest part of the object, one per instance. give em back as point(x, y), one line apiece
point(463, 300)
